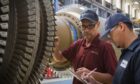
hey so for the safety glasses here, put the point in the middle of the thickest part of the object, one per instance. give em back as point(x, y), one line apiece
point(114, 28)
point(89, 26)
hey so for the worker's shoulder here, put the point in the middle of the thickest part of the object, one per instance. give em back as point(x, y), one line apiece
point(105, 43)
point(79, 41)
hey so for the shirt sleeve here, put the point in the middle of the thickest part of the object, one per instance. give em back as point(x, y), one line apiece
point(109, 60)
point(70, 52)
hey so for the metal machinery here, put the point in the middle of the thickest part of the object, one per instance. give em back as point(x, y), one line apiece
point(27, 35)
point(68, 25)
point(27, 31)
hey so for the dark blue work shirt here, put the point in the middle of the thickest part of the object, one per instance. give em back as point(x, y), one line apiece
point(128, 69)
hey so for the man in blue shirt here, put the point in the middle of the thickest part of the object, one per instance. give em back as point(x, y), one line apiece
point(119, 30)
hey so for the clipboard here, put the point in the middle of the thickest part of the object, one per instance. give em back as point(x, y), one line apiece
point(77, 77)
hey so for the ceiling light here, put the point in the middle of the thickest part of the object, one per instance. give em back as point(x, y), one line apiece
point(136, 2)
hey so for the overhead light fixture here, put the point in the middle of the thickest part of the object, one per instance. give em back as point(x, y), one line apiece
point(136, 2)
point(109, 1)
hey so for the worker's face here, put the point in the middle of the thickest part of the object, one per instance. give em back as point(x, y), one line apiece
point(89, 29)
point(116, 36)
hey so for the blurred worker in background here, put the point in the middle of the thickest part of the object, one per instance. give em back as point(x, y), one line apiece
point(120, 30)
point(90, 52)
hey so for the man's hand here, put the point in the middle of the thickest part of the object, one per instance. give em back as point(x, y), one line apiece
point(57, 55)
point(87, 75)
point(90, 80)
point(57, 42)
point(82, 71)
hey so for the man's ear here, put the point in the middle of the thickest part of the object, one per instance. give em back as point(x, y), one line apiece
point(97, 25)
point(122, 26)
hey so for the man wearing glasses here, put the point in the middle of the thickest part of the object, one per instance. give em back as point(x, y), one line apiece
point(90, 53)
point(119, 29)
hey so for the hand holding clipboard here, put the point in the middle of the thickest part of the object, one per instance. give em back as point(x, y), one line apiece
point(83, 80)
point(77, 76)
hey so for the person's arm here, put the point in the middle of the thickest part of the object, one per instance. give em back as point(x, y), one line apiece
point(68, 53)
point(104, 78)
point(57, 55)
point(110, 63)
point(91, 80)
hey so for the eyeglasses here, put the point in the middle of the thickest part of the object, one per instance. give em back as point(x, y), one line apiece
point(114, 28)
point(89, 26)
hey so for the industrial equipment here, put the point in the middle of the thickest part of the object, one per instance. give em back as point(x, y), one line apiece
point(27, 31)
point(27, 34)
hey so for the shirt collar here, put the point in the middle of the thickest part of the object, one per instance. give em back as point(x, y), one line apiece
point(94, 42)
point(134, 44)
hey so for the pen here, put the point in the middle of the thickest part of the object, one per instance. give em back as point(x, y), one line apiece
point(91, 72)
